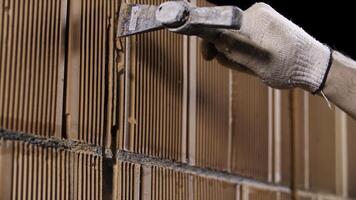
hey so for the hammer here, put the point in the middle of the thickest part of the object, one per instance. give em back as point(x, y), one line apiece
point(179, 17)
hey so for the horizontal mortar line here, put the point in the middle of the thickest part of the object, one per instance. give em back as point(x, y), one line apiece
point(69, 145)
point(214, 174)
point(80, 147)
point(322, 195)
point(199, 171)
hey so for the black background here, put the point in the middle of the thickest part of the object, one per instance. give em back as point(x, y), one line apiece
point(330, 21)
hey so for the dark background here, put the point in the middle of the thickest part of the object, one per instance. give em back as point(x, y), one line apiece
point(330, 22)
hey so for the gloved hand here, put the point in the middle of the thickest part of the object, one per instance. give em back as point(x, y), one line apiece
point(273, 48)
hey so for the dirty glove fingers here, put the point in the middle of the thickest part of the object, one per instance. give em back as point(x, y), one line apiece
point(209, 52)
point(223, 60)
point(240, 49)
point(236, 48)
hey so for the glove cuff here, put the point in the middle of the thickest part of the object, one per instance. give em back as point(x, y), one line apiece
point(313, 62)
point(321, 87)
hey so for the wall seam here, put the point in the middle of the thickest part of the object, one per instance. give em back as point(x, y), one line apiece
point(143, 160)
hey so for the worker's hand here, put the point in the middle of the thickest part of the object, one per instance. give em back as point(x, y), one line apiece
point(273, 48)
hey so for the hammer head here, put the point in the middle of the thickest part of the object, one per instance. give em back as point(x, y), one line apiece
point(178, 16)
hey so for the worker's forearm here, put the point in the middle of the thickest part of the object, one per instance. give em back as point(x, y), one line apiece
point(340, 86)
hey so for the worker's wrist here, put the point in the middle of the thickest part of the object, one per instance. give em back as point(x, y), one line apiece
point(340, 87)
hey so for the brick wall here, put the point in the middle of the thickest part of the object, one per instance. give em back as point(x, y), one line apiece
point(86, 116)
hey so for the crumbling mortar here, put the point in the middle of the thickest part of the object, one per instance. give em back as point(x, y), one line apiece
point(69, 145)
point(198, 171)
point(79, 147)
point(143, 160)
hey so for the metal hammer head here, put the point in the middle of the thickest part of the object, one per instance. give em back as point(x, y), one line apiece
point(178, 16)
point(172, 14)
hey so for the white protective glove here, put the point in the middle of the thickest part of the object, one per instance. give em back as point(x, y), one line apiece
point(270, 46)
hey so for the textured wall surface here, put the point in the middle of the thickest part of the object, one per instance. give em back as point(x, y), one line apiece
point(85, 115)
point(31, 57)
point(156, 94)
